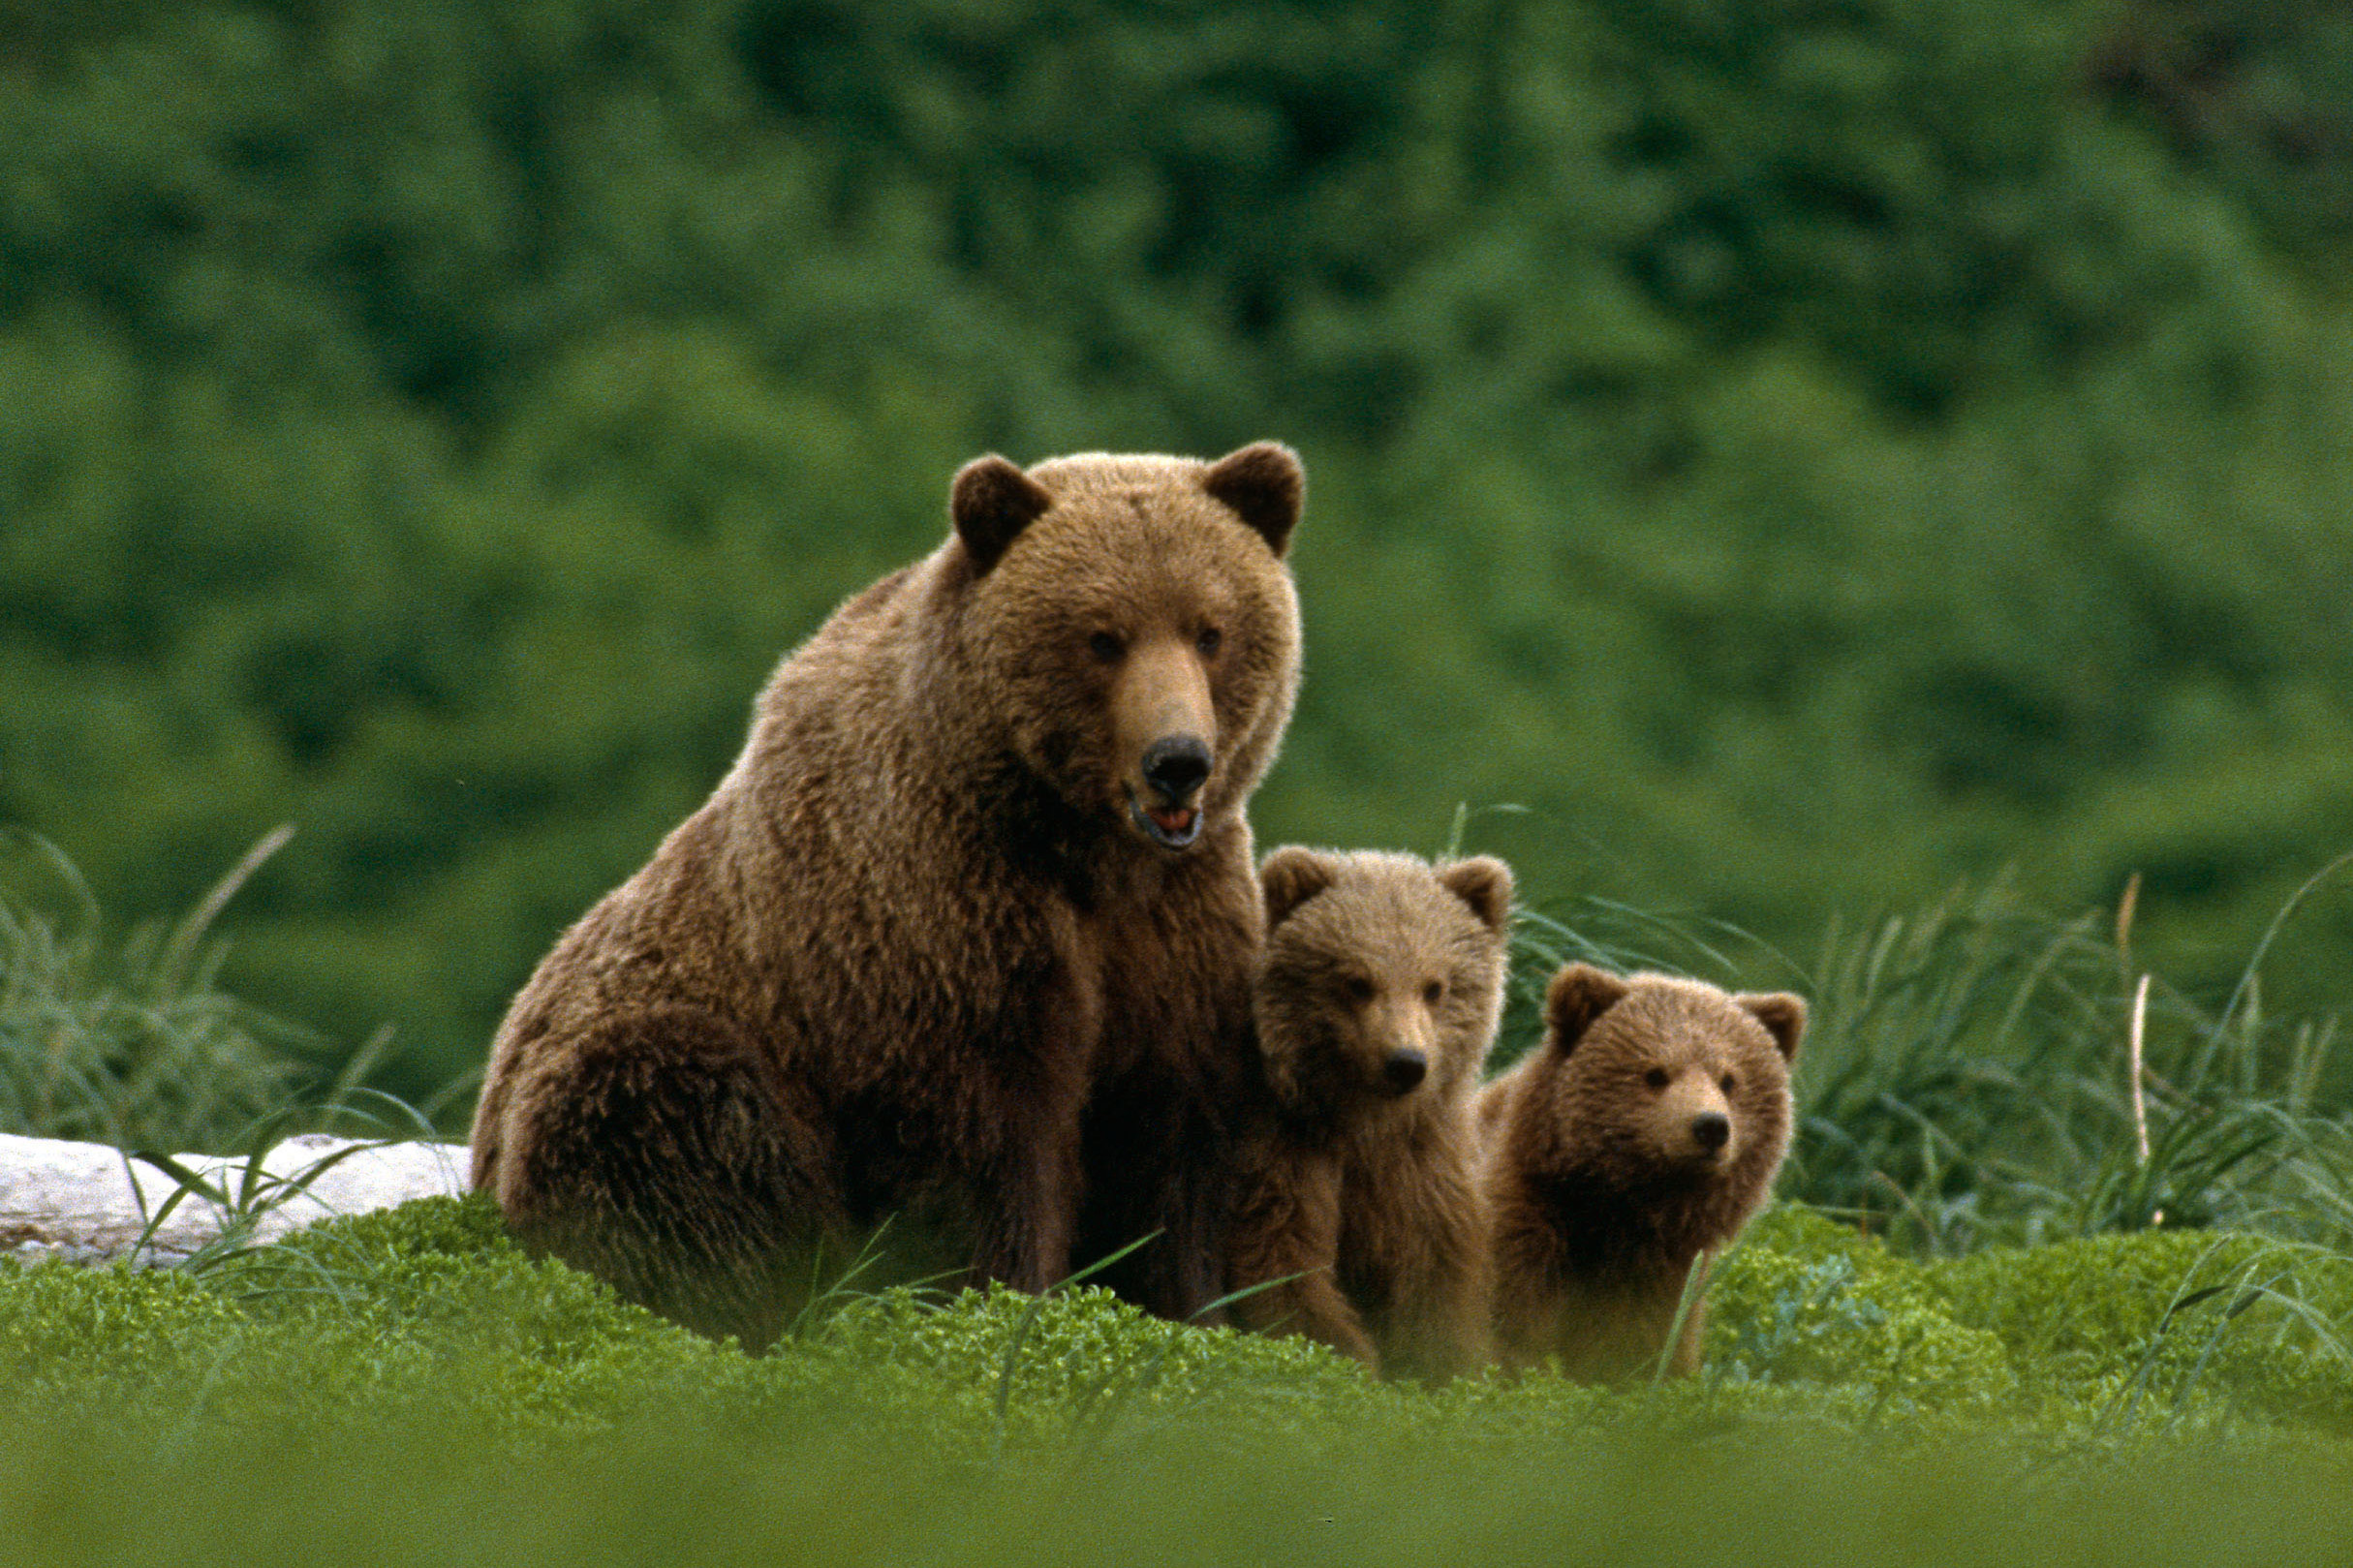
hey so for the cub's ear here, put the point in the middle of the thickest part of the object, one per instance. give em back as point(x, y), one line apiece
point(1782, 1014)
point(1577, 996)
point(1485, 885)
point(1265, 487)
point(1293, 876)
point(990, 504)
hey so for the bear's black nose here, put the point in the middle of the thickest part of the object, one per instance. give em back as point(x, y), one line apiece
point(1712, 1130)
point(1175, 765)
point(1404, 1070)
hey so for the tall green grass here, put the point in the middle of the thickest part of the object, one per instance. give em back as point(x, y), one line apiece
point(1970, 1078)
point(130, 1039)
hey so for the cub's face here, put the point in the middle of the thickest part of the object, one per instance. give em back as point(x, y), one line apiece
point(1666, 1078)
point(1382, 979)
point(1133, 622)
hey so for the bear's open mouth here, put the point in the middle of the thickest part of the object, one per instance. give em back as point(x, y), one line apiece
point(1172, 827)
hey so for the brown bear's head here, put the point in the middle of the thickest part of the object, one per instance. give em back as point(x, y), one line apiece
point(1382, 980)
point(1131, 626)
point(1661, 1078)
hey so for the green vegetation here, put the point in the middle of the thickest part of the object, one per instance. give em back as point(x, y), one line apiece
point(410, 1376)
point(130, 1040)
point(136, 1047)
point(1804, 456)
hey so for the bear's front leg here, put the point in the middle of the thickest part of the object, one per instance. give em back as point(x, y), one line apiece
point(1027, 1206)
point(1441, 1305)
point(1005, 1134)
point(1438, 1324)
point(1159, 1171)
point(1529, 1316)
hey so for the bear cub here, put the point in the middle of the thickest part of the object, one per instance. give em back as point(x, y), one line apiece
point(1628, 1148)
point(1377, 1001)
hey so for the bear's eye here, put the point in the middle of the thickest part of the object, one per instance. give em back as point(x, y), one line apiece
point(1656, 1078)
point(1208, 640)
point(1358, 988)
point(1730, 1082)
point(1106, 646)
point(1433, 992)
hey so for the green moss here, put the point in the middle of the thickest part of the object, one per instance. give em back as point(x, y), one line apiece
point(429, 1313)
point(426, 1309)
point(64, 1328)
point(2170, 1321)
point(464, 1227)
point(1804, 1299)
point(996, 1366)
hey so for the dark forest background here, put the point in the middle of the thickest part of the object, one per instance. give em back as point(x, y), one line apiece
point(1800, 454)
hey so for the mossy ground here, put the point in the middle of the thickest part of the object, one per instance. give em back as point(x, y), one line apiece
point(409, 1386)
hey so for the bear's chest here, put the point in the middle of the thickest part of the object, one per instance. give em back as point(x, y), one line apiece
point(1172, 975)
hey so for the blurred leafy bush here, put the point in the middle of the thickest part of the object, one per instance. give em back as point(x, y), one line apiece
point(1800, 454)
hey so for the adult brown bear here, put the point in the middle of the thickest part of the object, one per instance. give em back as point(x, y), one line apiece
point(965, 937)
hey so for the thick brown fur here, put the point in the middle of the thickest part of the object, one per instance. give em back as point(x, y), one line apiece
point(938, 950)
point(1605, 1191)
point(1377, 1001)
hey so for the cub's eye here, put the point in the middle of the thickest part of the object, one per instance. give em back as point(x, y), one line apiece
point(1358, 988)
point(1106, 646)
point(1433, 992)
point(1656, 1078)
point(1730, 1083)
point(1209, 639)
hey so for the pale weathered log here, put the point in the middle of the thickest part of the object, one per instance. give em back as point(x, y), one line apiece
point(90, 1203)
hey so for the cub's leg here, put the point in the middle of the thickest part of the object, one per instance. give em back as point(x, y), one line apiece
point(1434, 1244)
point(1285, 1227)
point(1531, 1312)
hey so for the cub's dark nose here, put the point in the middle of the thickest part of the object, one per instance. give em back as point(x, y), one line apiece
point(1175, 766)
point(1404, 1070)
point(1712, 1131)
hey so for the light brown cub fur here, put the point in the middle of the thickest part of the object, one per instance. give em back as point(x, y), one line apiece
point(964, 940)
point(1629, 1145)
point(1377, 1003)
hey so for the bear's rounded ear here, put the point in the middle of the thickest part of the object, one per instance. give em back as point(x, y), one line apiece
point(990, 504)
point(1577, 996)
point(1264, 485)
point(1483, 883)
point(1293, 876)
point(1782, 1014)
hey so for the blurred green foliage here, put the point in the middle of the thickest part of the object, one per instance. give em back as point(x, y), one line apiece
point(1801, 453)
